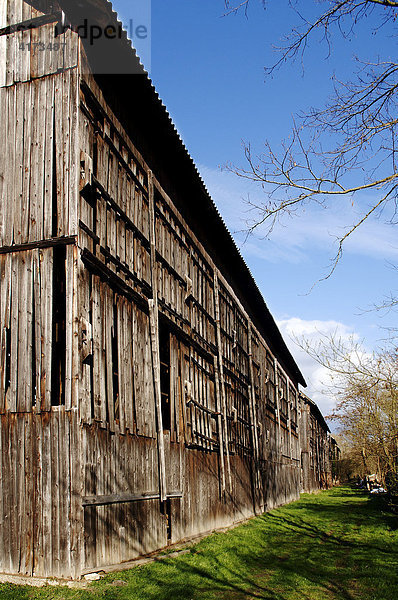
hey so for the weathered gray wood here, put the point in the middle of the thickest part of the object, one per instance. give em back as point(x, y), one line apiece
point(221, 373)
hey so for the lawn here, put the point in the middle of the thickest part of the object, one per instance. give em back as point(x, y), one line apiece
point(338, 544)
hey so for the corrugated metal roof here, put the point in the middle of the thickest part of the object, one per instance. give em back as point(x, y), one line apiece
point(101, 12)
point(316, 410)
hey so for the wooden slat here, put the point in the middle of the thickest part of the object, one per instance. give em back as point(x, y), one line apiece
point(46, 325)
point(48, 166)
point(4, 169)
point(10, 167)
point(126, 366)
point(143, 378)
point(122, 326)
point(5, 314)
point(47, 540)
point(70, 328)
point(24, 373)
point(27, 140)
point(108, 327)
point(99, 366)
point(85, 342)
point(11, 398)
point(3, 45)
point(38, 327)
point(37, 161)
point(222, 383)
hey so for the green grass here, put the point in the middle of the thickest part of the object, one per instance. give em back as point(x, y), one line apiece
point(338, 544)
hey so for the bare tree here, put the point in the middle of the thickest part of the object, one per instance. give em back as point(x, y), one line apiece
point(365, 386)
point(347, 147)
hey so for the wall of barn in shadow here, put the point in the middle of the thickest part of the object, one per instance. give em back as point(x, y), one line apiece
point(146, 395)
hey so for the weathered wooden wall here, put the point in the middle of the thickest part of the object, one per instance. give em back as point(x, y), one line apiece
point(315, 448)
point(40, 505)
point(231, 437)
point(139, 404)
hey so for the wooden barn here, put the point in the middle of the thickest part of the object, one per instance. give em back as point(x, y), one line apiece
point(317, 447)
point(146, 393)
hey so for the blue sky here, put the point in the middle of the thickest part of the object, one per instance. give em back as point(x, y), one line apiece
point(209, 71)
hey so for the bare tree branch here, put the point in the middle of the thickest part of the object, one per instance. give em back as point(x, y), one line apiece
point(342, 150)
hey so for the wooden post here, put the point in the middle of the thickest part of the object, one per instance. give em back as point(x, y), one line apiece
point(154, 328)
point(219, 422)
point(253, 412)
point(221, 373)
point(253, 409)
point(278, 405)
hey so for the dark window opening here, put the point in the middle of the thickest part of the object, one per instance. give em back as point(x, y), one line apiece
point(59, 328)
point(164, 355)
point(168, 516)
point(270, 382)
point(115, 361)
point(95, 156)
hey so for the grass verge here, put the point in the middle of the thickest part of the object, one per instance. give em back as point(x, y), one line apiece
point(338, 545)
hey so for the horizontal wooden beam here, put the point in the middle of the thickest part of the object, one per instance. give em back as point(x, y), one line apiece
point(99, 268)
point(49, 243)
point(120, 212)
point(88, 231)
point(122, 498)
point(31, 23)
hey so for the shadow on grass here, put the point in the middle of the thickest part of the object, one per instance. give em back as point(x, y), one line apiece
point(326, 546)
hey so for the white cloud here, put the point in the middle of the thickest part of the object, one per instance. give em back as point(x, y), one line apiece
point(318, 378)
point(296, 238)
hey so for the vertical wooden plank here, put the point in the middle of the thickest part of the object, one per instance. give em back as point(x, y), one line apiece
point(46, 564)
point(73, 82)
point(46, 320)
point(30, 471)
point(279, 448)
point(56, 457)
point(76, 461)
point(22, 529)
point(221, 373)
point(11, 398)
point(64, 489)
point(73, 255)
point(128, 382)
point(85, 342)
point(252, 402)
point(10, 166)
point(121, 325)
point(6, 498)
point(18, 172)
point(4, 167)
point(24, 386)
point(154, 331)
point(13, 492)
point(99, 366)
point(3, 44)
point(62, 136)
point(108, 330)
point(5, 322)
point(27, 140)
point(37, 160)
point(11, 20)
point(37, 325)
point(48, 156)
point(70, 326)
